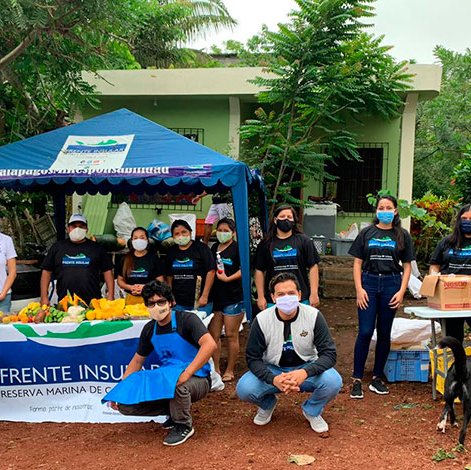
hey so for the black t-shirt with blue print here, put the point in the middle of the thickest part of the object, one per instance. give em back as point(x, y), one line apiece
point(146, 268)
point(295, 254)
point(379, 252)
point(77, 267)
point(227, 293)
point(184, 266)
point(452, 260)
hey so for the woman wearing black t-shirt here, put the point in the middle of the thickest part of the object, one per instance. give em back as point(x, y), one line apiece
point(453, 256)
point(381, 282)
point(187, 261)
point(227, 296)
point(286, 249)
point(139, 267)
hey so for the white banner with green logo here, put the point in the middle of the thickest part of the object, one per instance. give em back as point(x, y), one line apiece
point(60, 372)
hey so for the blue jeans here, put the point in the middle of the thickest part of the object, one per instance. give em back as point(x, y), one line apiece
point(324, 388)
point(380, 289)
point(5, 304)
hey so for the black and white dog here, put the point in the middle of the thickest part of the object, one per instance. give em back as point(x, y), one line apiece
point(457, 385)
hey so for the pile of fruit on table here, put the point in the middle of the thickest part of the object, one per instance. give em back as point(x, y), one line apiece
point(72, 309)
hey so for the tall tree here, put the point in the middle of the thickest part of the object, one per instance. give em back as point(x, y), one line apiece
point(324, 69)
point(46, 45)
point(444, 126)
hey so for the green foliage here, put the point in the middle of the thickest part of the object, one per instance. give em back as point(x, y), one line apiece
point(323, 70)
point(443, 126)
point(442, 454)
point(46, 45)
point(462, 176)
point(428, 230)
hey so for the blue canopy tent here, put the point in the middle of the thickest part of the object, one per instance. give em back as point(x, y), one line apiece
point(123, 152)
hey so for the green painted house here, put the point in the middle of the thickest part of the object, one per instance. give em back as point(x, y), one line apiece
point(209, 105)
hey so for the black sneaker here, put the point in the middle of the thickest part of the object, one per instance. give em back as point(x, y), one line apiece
point(178, 435)
point(378, 386)
point(356, 391)
point(168, 424)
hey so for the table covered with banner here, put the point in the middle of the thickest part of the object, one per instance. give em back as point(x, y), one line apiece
point(60, 372)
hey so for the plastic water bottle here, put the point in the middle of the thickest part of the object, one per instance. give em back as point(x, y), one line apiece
point(219, 263)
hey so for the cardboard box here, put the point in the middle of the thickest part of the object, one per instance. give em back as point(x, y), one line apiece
point(447, 292)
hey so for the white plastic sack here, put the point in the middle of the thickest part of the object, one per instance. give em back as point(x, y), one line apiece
point(415, 269)
point(414, 286)
point(407, 332)
point(352, 232)
point(124, 222)
point(190, 218)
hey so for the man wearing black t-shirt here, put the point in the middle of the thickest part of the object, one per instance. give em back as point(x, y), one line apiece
point(183, 347)
point(76, 264)
point(290, 350)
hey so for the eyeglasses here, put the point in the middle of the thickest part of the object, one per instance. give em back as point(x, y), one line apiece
point(160, 303)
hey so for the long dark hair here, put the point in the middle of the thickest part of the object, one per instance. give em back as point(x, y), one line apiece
point(128, 263)
point(271, 234)
point(457, 236)
point(396, 223)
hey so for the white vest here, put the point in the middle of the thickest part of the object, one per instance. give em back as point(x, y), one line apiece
point(302, 334)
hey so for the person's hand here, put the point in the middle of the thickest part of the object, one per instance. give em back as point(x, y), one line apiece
point(222, 277)
point(261, 303)
point(137, 289)
point(396, 300)
point(184, 376)
point(196, 199)
point(2, 297)
point(110, 296)
point(362, 299)
point(45, 301)
point(114, 405)
point(203, 300)
point(314, 299)
point(285, 383)
point(297, 376)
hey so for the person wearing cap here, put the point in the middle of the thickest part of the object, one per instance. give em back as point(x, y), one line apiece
point(76, 263)
point(290, 350)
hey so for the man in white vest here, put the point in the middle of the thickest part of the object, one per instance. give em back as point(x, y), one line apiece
point(290, 350)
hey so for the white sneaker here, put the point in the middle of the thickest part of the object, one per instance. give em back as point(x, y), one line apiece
point(317, 423)
point(264, 416)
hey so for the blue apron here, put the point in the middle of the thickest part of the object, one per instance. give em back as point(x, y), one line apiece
point(174, 354)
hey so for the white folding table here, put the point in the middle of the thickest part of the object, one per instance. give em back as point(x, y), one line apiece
point(433, 314)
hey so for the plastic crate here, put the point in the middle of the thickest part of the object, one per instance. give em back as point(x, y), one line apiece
point(340, 246)
point(440, 385)
point(408, 365)
point(320, 242)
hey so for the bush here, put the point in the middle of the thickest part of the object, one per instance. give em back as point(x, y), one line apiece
point(427, 231)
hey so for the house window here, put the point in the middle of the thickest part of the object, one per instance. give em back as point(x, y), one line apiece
point(356, 178)
point(193, 133)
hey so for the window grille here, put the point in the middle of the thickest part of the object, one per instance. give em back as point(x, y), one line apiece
point(357, 178)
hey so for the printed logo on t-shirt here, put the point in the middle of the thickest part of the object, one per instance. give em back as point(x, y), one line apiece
point(287, 252)
point(77, 260)
point(185, 263)
point(462, 253)
point(139, 273)
point(227, 261)
point(385, 242)
point(288, 344)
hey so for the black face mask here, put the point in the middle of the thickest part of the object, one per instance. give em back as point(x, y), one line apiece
point(285, 225)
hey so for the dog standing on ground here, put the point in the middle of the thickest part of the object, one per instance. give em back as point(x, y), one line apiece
point(457, 385)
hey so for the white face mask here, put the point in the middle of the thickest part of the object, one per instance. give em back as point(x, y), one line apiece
point(77, 234)
point(139, 244)
point(287, 304)
point(158, 313)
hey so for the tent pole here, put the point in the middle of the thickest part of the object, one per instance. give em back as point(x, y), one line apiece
point(241, 208)
point(58, 199)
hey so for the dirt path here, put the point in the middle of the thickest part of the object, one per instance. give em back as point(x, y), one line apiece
point(392, 432)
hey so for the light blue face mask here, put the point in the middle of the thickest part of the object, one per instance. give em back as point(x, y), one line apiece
point(385, 217)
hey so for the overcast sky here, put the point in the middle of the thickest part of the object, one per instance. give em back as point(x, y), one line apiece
point(413, 27)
